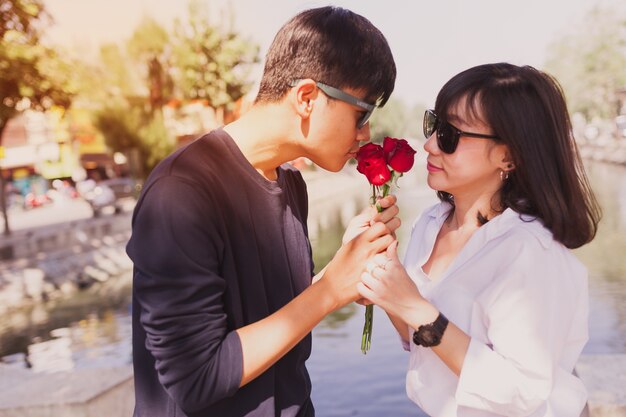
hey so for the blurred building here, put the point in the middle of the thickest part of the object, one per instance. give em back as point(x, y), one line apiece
point(39, 147)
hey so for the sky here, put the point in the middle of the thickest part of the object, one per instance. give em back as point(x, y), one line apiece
point(431, 40)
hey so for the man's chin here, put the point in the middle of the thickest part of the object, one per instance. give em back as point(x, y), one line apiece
point(336, 166)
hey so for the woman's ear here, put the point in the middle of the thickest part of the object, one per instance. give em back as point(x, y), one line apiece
point(507, 160)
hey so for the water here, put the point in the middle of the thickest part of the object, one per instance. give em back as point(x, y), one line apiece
point(606, 259)
point(94, 330)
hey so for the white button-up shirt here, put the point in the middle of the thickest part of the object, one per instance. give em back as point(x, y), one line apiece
point(522, 297)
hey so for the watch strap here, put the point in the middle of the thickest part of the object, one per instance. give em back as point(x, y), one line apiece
point(434, 331)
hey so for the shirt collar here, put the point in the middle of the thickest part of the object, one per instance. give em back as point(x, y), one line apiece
point(440, 211)
point(510, 218)
point(501, 224)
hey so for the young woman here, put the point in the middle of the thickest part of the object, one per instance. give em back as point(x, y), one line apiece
point(490, 301)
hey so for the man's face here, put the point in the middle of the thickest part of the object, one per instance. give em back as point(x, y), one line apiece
point(334, 131)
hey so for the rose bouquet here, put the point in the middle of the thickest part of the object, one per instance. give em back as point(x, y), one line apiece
point(382, 166)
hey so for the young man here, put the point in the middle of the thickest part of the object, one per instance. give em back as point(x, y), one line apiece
point(223, 304)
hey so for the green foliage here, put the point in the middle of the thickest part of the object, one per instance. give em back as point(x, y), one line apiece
point(116, 74)
point(149, 45)
point(31, 75)
point(20, 16)
point(414, 124)
point(120, 126)
point(126, 128)
point(590, 63)
point(212, 63)
point(157, 142)
point(149, 39)
point(396, 120)
point(199, 61)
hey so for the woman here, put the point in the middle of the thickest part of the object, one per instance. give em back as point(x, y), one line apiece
point(490, 301)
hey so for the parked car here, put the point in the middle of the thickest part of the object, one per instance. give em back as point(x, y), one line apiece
point(113, 193)
point(122, 187)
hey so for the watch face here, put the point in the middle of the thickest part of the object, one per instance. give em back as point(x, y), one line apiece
point(429, 337)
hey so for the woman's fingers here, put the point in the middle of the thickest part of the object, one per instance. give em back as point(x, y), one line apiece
point(392, 252)
point(363, 302)
point(365, 292)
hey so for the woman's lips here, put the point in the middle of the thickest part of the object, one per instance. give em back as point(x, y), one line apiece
point(432, 168)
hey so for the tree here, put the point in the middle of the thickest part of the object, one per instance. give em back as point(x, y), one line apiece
point(31, 75)
point(388, 121)
point(149, 44)
point(212, 62)
point(130, 128)
point(396, 120)
point(200, 61)
point(116, 73)
point(589, 63)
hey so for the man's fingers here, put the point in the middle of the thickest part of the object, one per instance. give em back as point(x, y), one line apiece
point(376, 230)
point(388, 201)
point(386, 215)
point(393, 224)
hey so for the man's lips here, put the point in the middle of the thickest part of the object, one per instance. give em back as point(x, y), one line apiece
point(433, 168)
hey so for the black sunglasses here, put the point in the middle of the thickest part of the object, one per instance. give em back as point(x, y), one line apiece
point(447, 135)
point(338, 94)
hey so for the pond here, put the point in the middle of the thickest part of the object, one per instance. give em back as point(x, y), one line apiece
point(94, 330)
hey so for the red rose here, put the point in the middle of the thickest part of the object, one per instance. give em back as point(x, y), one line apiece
point(372, 163)
point(400, 156)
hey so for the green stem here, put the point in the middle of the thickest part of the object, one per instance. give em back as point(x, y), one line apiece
point(366, 338)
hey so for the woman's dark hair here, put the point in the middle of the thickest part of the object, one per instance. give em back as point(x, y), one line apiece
point(331, 45)
point(526, 109)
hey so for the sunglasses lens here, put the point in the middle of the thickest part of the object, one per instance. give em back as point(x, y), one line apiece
point(430, 123)
point(363, 120)
point(447, 138)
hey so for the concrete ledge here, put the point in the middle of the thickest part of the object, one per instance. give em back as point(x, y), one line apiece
point(605, 378)
point(109, 392)
point(77, 393)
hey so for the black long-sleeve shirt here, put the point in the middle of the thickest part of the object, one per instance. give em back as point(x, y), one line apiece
point(215, 247)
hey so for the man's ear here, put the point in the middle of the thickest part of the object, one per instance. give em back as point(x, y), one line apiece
point(304, 94)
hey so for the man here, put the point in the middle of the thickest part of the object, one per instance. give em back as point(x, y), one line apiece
point(223, 304)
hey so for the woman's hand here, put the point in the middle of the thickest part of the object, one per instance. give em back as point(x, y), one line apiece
point(343, 272)
point(370, 215)
point(387, 284)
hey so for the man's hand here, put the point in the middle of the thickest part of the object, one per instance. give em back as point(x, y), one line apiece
point(343, 272)
point(370, 215)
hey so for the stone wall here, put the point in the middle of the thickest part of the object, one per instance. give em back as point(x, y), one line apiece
point(57, 260)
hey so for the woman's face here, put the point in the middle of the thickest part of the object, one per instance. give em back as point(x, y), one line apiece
point(474, 168)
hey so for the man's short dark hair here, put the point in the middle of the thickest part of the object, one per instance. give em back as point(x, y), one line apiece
point(331, 45)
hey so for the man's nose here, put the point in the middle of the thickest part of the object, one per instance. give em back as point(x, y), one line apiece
point(363, 134)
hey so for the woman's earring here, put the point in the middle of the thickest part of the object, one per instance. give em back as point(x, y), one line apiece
point(504, 175)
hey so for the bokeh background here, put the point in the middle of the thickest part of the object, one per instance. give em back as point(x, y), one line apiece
point(93, 94)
